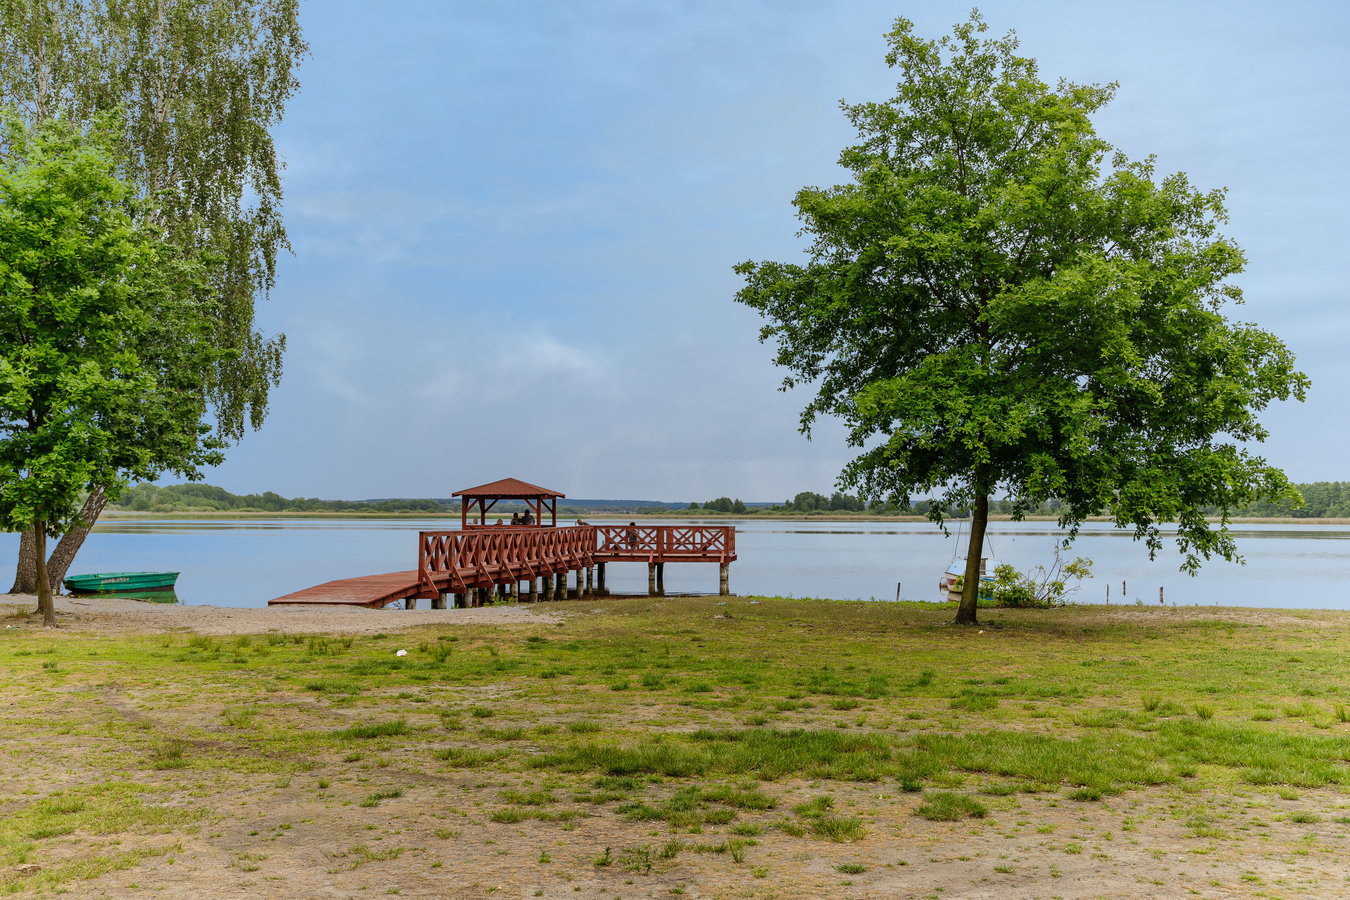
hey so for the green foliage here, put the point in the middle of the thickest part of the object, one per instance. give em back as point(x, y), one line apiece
point(199, 88)
point(996, 303)
point(104, 330)
point(1040, 587)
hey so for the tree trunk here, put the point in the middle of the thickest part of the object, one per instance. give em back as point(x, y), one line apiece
point(44, 592)
point(25, 579)
point(70, 542)
point(970, 590)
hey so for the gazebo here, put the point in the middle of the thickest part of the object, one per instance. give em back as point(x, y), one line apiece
point(537, 499)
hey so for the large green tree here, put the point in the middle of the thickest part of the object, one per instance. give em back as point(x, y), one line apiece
point(200, 83)
point(998, 303)
point(107, 336)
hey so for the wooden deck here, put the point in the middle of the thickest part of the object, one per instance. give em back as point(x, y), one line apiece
point(468, 563)
point(369, 590)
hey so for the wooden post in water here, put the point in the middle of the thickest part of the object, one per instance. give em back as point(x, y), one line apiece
point(548, 588)
point(588, 582)
point(651, 579)
point(1160, 595)
point(660, 579)
point(723, 587)
point(410, 603)
point(439, 601)
point(534, 589)
point(600, 578)
point(560, 585)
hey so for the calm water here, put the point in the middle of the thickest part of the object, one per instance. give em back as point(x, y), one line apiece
point(247, 562)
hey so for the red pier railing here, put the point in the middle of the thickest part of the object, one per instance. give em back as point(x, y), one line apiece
point(665, 543)
point(459, 561)
point(463, 561)
point(472, 564)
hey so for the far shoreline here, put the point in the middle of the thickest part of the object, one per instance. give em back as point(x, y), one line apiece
point(674, 514)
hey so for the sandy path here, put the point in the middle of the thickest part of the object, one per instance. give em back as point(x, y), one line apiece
point(108, 614)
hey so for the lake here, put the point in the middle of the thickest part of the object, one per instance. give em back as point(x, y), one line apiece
point(246, 562)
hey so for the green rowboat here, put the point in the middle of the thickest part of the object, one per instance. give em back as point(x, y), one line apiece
point(120, 582)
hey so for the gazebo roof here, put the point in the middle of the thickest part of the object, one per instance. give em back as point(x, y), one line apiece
point(508, 489)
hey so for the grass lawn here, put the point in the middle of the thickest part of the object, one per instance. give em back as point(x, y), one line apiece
point(685, 746)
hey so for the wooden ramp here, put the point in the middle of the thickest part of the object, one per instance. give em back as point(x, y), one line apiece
point(368, 590)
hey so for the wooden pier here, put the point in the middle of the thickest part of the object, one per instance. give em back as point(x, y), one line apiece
point(468, 567)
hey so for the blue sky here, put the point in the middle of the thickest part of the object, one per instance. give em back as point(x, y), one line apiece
point(514, 225)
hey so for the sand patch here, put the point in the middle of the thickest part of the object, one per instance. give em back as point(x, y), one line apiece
point(114, 615)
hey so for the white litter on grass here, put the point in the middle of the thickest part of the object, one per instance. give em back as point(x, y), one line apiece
point(401, 653)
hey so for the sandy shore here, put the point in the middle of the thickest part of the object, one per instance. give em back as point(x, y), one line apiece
point(107, 614)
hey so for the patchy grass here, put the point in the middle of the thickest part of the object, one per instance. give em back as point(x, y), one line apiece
point(793, 723)
point(944, 806)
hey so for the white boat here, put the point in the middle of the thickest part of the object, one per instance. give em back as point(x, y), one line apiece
point(956, 572)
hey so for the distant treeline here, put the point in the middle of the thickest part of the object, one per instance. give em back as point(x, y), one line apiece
point(809, 502)
point(209, 498)
point(1322, 500)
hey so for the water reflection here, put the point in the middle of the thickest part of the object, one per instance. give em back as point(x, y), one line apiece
point(149, 596)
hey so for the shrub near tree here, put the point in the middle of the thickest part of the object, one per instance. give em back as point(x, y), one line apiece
point(105, 334)
point(998, 305)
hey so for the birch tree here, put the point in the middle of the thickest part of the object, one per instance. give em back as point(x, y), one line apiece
point(200, 84)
